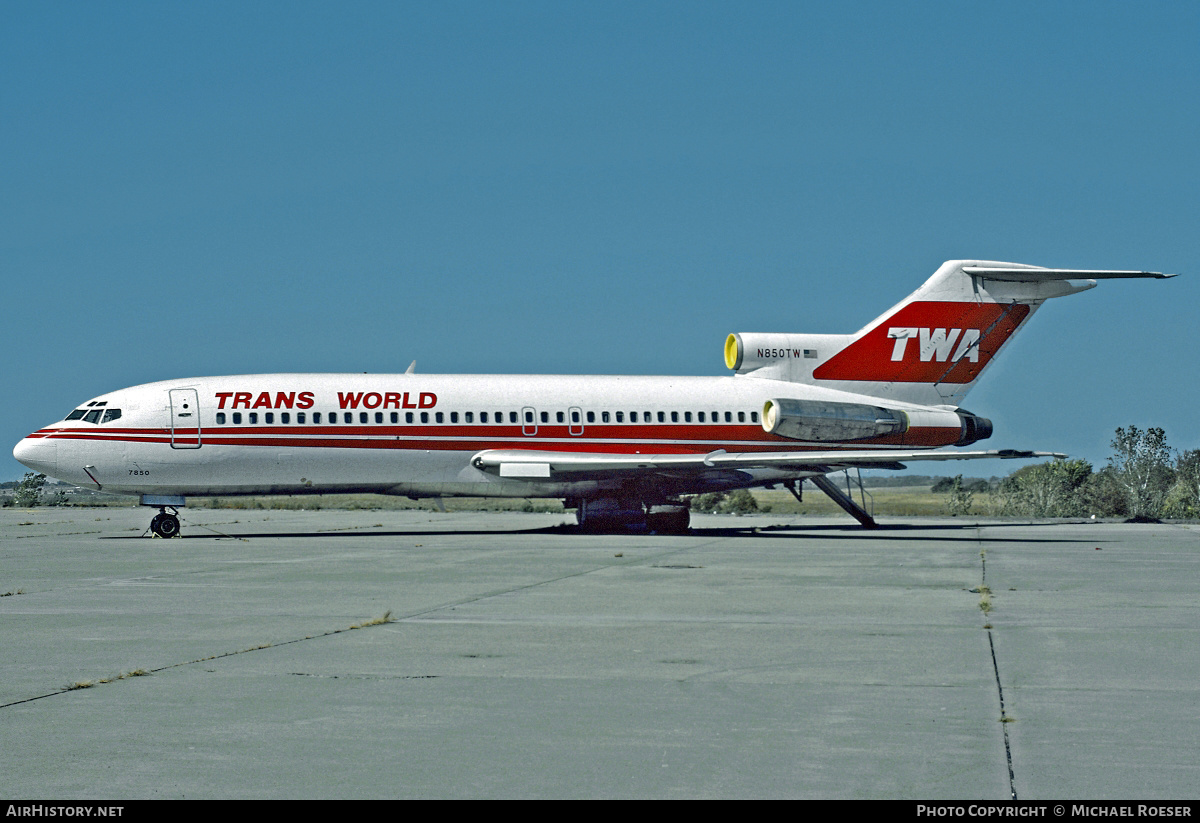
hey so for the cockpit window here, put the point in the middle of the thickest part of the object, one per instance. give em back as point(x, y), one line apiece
point(95, 412)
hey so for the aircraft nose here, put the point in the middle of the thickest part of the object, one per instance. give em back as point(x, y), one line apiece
point(39, 454)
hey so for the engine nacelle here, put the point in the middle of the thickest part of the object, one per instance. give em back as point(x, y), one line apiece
point(781, 356)
point(817, 421)
point(974, 428)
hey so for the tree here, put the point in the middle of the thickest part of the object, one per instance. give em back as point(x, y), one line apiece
point(1053, 489)
point(1183, 500)
point(1141, 468)
point(740, 501)
point(1104, 496)
point(28, 492)
point(959, 499)
point(950, 484)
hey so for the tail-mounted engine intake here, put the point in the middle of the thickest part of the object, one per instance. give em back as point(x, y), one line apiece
point(819, 422)
point(781, 356)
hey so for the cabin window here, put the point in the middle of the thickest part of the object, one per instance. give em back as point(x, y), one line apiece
point(512, 417)
point(395, 417)
point(545, 417)
point(237, 418)
point(333, 417)
point(562, 418)
point(728, 417)
point(699, 417)
point(438, 418)
point(284, 417)
point(408, 417)
point(500, 417)
point(77, 414)
point(741, 417)
point(378, 417)
point(424, 417)
point(220, 418)
point(111, 414)
point(269, 417)
point(252, 417)
point(633, 417)
point(528, 417)
point(453, 417)
point(574, 417)
point(468, 417)
point(716, 417)
point(362, 417)
point(662, 417)
point(591, 417)
point(754, 417)
point(620, 417)
point(687, 417)
point(674, 417)
point(483, 417)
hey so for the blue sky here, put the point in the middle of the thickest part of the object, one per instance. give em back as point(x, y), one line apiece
point(509, 187)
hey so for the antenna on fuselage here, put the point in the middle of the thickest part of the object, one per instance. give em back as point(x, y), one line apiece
point(412, 368)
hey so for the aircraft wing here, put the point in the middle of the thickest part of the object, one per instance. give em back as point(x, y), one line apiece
point(531, 464)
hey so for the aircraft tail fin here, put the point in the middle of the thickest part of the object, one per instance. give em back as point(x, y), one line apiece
point(930, 348)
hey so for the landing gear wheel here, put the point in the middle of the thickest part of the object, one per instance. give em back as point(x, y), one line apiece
point(668, 519)
point(165, 525)
point(610, 514)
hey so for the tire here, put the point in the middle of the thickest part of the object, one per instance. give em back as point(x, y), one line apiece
point(165, 525)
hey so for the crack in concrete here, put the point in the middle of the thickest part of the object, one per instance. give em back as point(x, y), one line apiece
point(368, 624)
point(1004, 718)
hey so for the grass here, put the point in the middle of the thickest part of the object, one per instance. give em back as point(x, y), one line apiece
point(886, 501)
point(374, 502)
point(895, 501)
point(386, 617)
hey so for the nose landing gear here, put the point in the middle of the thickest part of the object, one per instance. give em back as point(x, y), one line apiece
point(164, 524)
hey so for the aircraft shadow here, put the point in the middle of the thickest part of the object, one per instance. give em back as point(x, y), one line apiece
point(942, 532)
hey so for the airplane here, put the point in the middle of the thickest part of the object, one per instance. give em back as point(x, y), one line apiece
point(624, 452)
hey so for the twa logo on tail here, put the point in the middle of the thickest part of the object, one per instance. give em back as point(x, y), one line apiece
point(927, 342)
point(937, 343)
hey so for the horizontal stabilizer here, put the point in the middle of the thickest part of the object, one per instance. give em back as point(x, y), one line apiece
point(1022, 275)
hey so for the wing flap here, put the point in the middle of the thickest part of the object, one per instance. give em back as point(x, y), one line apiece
point(521, 463)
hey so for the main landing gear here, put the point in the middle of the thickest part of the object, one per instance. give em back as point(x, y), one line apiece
point(611, 514)
point(164, 524)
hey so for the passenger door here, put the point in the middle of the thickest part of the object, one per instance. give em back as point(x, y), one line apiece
point(185, 419)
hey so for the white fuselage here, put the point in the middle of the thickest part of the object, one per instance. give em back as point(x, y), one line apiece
point(416, 434)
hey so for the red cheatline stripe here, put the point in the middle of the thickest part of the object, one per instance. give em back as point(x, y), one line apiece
point(460, 439)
